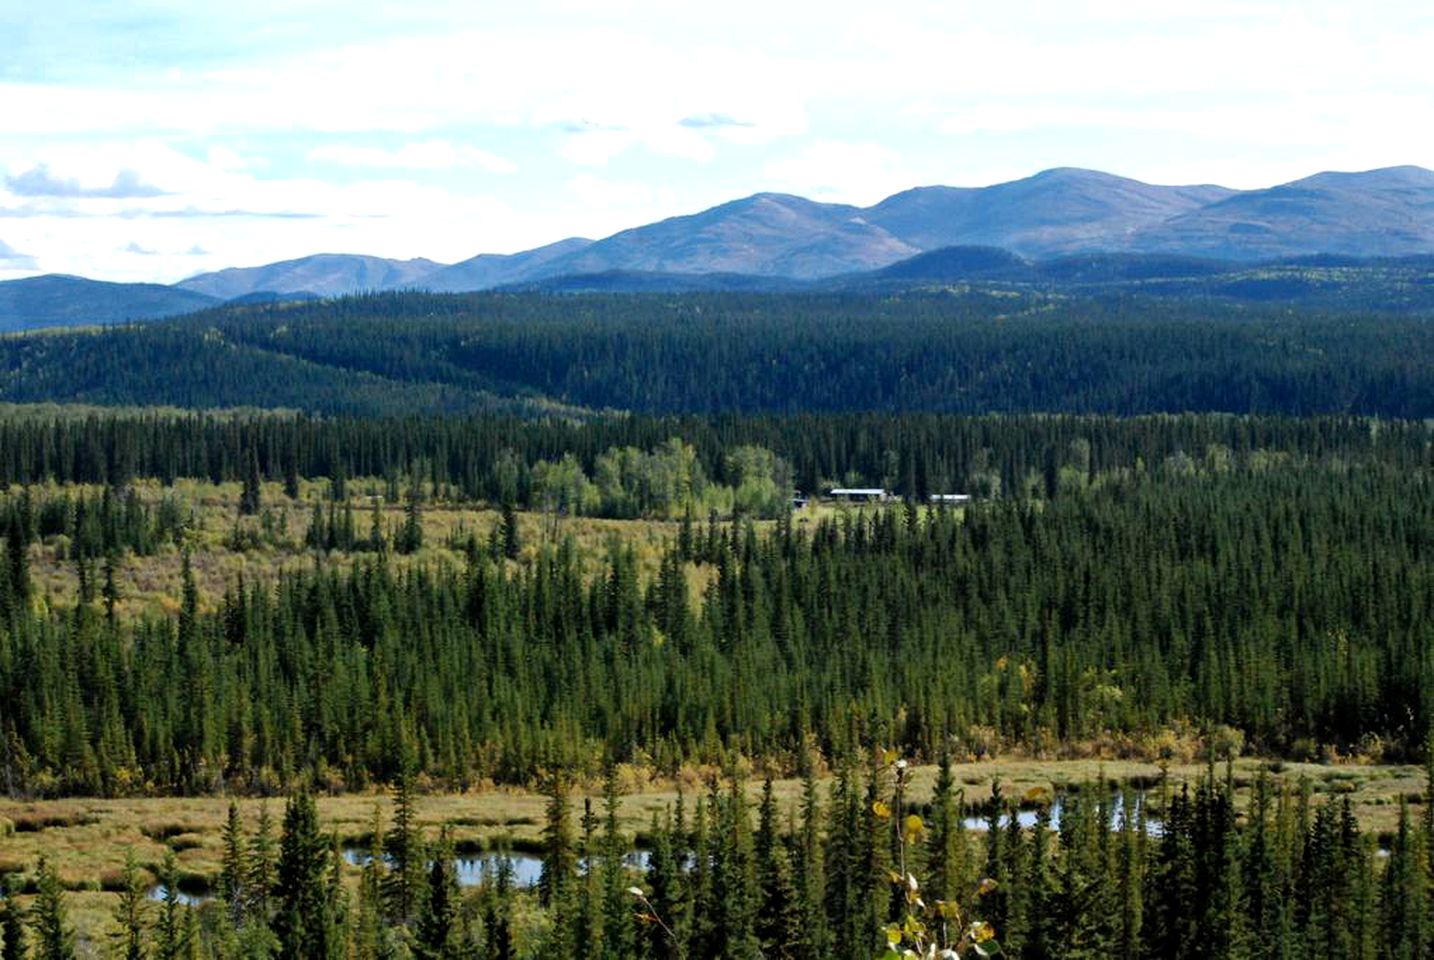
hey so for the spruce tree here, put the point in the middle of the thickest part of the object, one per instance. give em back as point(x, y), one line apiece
point(512, 542)
point(1405, 922)
point(435, 935)
point(559, 855)
point(1172, 895)
point(171, 935)
point(947, 872)
point(664, 881)
point(339, 482)
point(250, 497)
point(17, 541)
point(778, 921)
point(14, 944)
point(403, 846)
point(130, 912)
point(843, 862)
point(110, 591)
point(371, 936)
point(377, 542)
point(302, 923)
point(1130, 875)
point(291, 476)
point(588, 915)
point(617, 906)
point(232, 892)
point(809, 873)
point(317, 535)
point(54, 938)
point(498, 911)
point(410, 535)
point(873, 873)
point(260, 875)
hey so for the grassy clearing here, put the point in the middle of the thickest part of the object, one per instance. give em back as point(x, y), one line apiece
point(275, 539)
point(87, 839)
point(152, 585)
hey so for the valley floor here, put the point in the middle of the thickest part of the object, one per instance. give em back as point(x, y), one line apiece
point(87, 838)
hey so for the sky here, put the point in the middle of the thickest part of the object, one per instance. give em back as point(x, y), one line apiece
point(151, 140)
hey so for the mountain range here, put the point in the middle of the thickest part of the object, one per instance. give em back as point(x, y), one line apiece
point(780, 241)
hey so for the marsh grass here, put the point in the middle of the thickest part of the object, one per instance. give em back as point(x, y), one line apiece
point(86, 839)
point(151, 585)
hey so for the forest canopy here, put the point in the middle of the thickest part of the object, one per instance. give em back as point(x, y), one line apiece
point(960, 350)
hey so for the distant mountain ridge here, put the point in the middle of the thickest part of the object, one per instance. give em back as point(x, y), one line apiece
point(781, 241)
point(489, 270)
point(325, 274)
point(1057, 212)
point(1054, 212)
point(57, 300)
point(769, 234)
point(1380, 213)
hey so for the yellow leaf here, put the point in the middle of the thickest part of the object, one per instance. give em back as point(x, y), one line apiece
point(911, 827)
point(881, 810)
point(986, 886)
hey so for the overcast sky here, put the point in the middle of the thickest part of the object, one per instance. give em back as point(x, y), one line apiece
point(156, 139)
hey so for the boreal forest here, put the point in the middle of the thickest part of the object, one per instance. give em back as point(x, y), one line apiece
point(523, 625)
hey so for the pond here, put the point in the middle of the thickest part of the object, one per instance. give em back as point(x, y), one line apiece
point(159, 892)
point(527, 871)
point(1027, 818)
point(527, 867)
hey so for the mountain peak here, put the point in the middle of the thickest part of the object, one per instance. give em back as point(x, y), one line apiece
point(1056, 211)
point(326, 274)
point(1404, 176)
point(1075, 175)
point(1372, 213)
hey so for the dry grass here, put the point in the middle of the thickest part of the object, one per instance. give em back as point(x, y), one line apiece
point(151, 585)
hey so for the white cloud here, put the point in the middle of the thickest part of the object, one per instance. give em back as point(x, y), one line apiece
point(216, 214)
point(423, 155)
point(837, 171)
point(597, 192)
point(223, 158)
point(593, 148)
point(13, 262)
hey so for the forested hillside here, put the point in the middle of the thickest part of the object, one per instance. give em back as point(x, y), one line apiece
point(963, 351)
point(1131, 577)
point(502, 459)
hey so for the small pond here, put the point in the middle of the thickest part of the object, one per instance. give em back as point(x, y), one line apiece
point(472, 870)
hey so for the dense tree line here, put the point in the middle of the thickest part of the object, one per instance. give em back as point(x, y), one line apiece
point(98, 524)
point(959, 351)
point(507, 460)
point(1289, 597)
point(852, 872)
